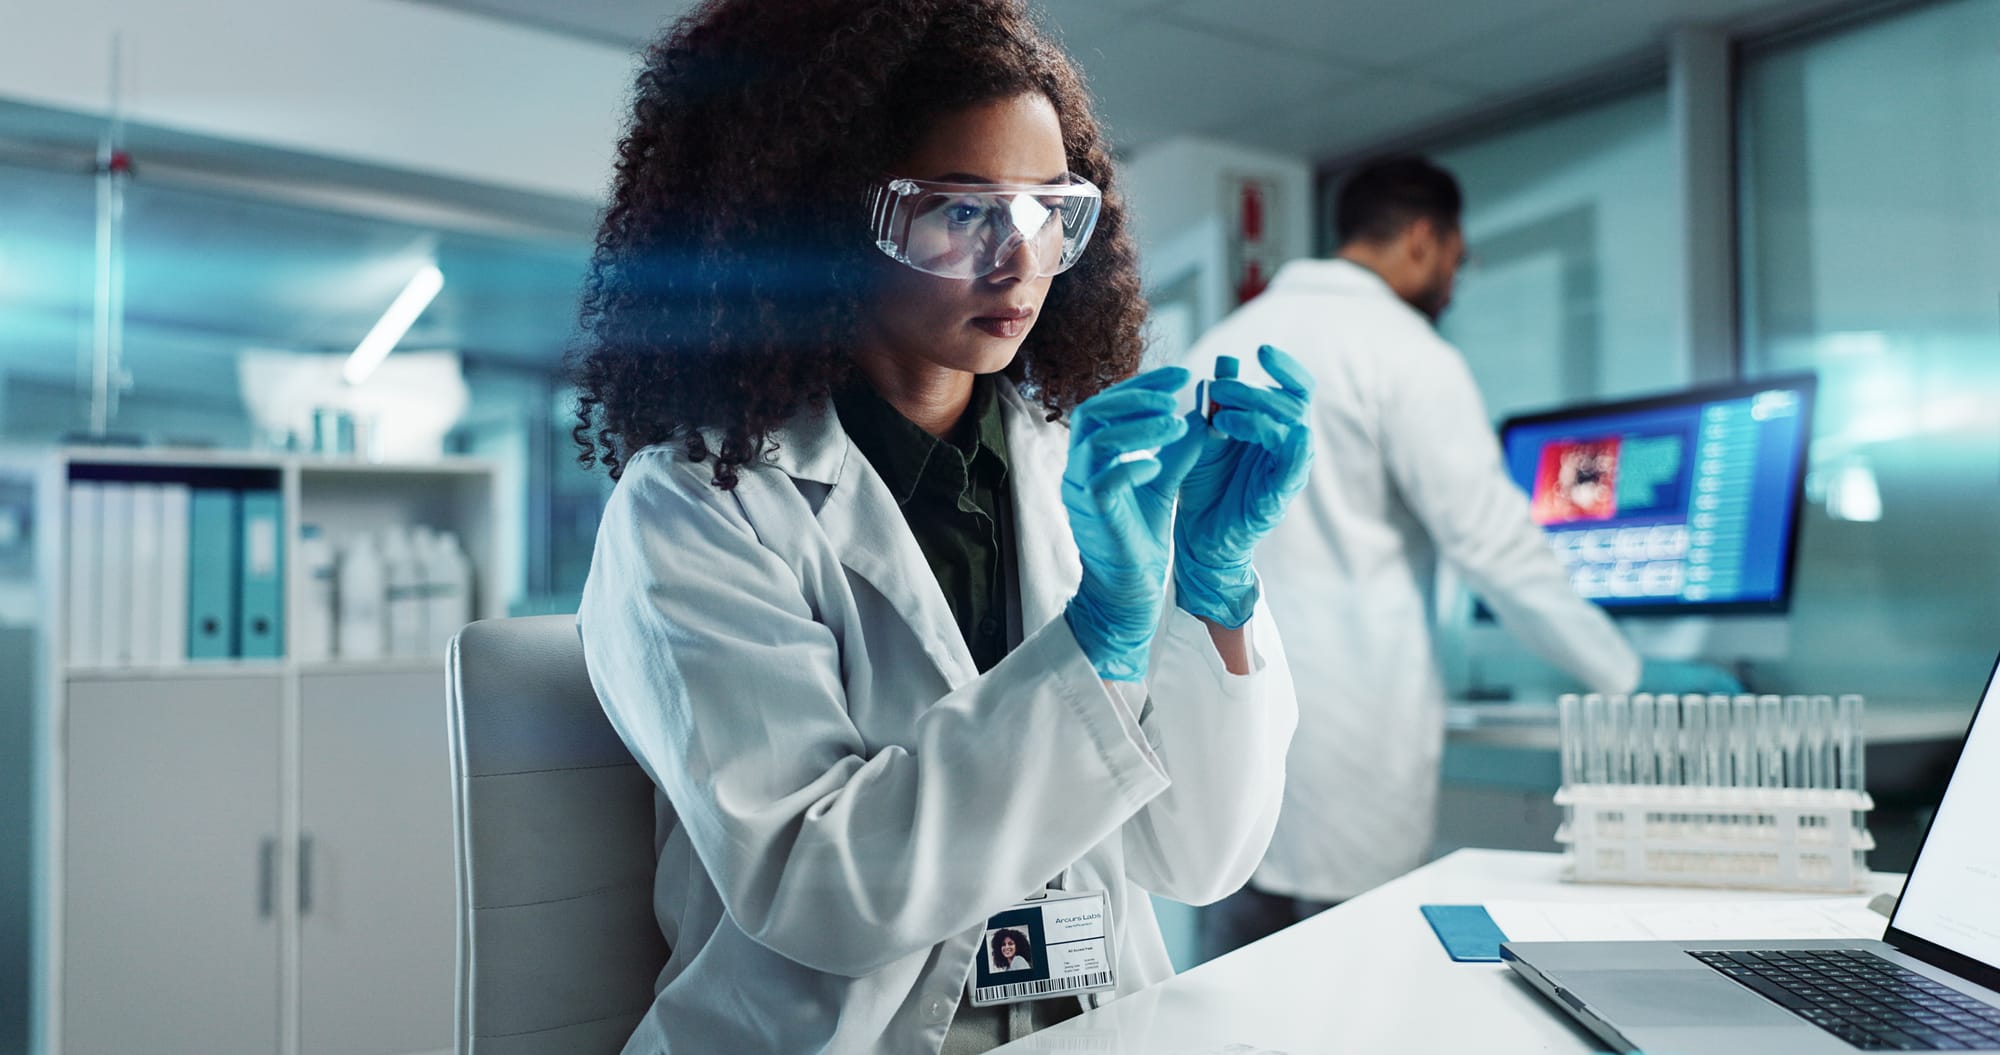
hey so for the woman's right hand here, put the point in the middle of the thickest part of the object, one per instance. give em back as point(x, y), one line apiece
point(1129, 449)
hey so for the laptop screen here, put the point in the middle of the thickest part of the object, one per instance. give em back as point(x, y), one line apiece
point(1952, 899)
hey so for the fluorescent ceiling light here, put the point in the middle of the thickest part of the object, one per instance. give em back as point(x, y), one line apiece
point(395, 322)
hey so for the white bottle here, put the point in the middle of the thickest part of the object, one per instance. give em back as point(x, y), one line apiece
point(313, 618)
point(363, 633)
point(423, 540)
point(423, 544)
point(450, 592)
point(403, 578)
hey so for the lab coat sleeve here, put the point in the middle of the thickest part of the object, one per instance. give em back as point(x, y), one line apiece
point(708, 656)
point(1222, 738)
point(1445, 460)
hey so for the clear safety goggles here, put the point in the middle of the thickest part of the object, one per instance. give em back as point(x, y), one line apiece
point(965, 230)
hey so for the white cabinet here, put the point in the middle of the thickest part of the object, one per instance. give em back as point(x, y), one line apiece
point(376, 937)
point(171, 928)
point(251, 855)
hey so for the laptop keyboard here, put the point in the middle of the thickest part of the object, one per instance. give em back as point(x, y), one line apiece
point(1864, 999)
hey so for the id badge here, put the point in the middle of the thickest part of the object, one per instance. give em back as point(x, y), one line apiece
point(1056, 943)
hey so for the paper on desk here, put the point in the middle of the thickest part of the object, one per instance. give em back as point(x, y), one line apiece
point(1686, 921)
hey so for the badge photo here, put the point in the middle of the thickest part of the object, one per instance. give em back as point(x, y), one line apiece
point(1013, 949)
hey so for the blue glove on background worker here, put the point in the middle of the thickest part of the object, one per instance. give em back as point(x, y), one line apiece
point(1120, 499)
point(1255, 455)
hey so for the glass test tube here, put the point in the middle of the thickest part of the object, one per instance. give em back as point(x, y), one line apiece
point(1743, 741)
point(1569, 734)
point(1716, 744)
point(1617, 729)
point(1639, 739)
point(1794, 731)
point(1853, 745)
point(1770, 742)
point(1593, 739)
point(1667, 739)
point(1694, 740)
point(1820, 742)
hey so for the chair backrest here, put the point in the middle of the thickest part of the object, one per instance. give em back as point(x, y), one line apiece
point(558, 948)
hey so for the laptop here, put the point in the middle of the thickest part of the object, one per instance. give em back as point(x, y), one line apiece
point(1931, 984)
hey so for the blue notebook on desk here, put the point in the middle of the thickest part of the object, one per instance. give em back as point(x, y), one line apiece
point(1468, 934)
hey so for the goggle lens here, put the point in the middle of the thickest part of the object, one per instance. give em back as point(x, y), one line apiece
point(966, 231)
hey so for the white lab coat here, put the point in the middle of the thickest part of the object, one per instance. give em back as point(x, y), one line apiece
point(845, 800)
point(1406, 471)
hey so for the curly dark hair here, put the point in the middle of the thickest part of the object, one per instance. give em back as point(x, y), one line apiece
point(725, 294)
point(1019, 939)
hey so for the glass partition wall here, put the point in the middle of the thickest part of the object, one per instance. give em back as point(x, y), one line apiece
point(1870, 204)
point(1571, 224)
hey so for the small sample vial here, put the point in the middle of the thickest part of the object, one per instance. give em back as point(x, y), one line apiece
point(1853, 745)
point(1594, 771)
point(1569, 718)
point(1694, 741)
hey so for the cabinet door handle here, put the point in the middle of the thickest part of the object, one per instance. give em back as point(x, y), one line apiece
point(305, 874)
point(267, 876)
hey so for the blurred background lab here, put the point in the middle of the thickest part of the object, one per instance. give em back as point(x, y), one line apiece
point(285, 289)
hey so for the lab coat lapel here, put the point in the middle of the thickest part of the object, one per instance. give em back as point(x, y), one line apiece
point(1037, 450)
point(870, 537)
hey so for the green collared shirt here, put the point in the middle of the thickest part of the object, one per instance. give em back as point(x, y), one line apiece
point(957, 499)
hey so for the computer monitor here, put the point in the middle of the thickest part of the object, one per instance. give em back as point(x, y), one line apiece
point(1678, 504)
point(1678, 514)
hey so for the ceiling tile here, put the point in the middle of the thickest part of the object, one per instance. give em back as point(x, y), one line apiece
point(1154, 80)
point(639, 21)
point(1076, 16)
point(1170, 67)
point(632, 22)
point(1376, 35)
point(1587, 37)
point(1350, 118)
point(1550, 51)
point(1737, 13)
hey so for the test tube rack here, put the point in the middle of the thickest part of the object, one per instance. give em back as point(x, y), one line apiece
point(1808, 839)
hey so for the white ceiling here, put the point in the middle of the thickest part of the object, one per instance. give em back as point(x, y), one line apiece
point(1311, 78)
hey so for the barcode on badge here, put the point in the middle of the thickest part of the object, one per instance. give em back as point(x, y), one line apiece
point(1079, 983)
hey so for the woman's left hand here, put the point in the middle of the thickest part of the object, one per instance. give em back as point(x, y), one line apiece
point(1255, 458)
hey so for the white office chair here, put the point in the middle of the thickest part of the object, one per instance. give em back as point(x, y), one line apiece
point(557, 945)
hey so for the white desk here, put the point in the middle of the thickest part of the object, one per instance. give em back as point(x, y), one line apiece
point(1368, 976)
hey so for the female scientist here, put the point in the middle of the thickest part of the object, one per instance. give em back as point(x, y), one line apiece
point(1007, 948)
point(880, 598)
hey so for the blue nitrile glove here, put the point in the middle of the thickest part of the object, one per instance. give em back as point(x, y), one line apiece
point(1667, 676)
point(1255, 455)
point(1120, 510)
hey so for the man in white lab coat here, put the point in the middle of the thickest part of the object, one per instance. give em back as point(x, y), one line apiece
point(1407, 473)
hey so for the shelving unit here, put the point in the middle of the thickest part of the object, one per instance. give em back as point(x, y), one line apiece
point(251, 855)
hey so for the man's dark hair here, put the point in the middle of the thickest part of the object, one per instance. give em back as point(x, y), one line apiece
point(1381, 198)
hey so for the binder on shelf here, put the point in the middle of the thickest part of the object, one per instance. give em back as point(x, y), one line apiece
point(212, 570)
point(114, 595)
point(86, 526)
point(173, 621)
point(260, 612)
point(142, 616)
